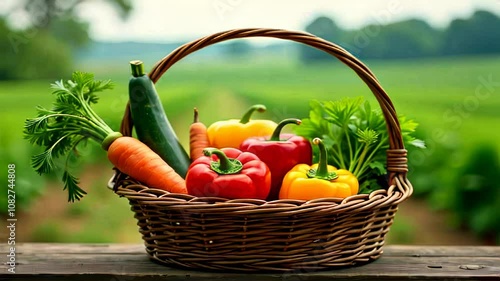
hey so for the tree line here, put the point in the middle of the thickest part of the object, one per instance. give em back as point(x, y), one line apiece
point(46, 48)
point(412, 38)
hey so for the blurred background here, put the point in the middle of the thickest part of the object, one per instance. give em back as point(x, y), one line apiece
point(438, 61)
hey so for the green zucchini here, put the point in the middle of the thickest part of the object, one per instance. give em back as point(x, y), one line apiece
point(151, 123)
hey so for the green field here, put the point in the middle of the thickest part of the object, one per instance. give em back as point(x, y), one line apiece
point(437, 92)
point(451, 98)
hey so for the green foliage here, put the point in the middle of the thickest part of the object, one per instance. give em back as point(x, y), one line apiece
point(42, 13)
point(430, 170)
point(33, 55)
point(464, 183)
point(27, 186)
point(237, 48)
point(123, 7)
point(7, 66)
point(477, 35)
point(72, 31)
point(45, 49)
point(43, 57)
point(476, 196)
point(323, 27)
point(355, 136)
point(404, 39)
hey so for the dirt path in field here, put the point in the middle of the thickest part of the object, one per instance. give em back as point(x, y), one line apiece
point(217, 104)
point(220, 104)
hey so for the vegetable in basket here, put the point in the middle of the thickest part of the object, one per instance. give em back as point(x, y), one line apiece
point(356, 138)
point(72, 121)
point(229, 173)
point(320, 180)
point(198, 139)
point(231, 133)
point(280, 152)
point(151, 123)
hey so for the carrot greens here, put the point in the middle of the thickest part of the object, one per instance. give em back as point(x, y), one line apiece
point(69, 122)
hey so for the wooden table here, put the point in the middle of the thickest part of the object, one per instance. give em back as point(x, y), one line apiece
point(118, 262)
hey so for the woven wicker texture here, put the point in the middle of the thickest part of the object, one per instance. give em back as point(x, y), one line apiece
point(282, 235)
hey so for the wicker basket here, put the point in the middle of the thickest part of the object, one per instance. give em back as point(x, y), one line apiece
point(282, 235)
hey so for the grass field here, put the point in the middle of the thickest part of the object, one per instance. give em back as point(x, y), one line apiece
point(456, 101)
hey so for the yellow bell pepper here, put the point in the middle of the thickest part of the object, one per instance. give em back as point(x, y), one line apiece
point(320, 180)
point(232, 132)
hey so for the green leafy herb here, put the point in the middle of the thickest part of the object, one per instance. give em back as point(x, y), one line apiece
point(356, 137)
point(69, 122)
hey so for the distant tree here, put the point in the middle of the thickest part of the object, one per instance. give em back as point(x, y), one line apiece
point(325, 28)
point(412, 38)
point(60, 17)
point(72, 31)
point(237, 48)
point(40, 56)
point(7, 64)
point(43, 12)
point(44, 57)
point(44, 49)
point(479, 34)
point(405, 39)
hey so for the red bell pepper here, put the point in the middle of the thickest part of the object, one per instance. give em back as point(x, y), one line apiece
point(228, 173)
point(280, 152)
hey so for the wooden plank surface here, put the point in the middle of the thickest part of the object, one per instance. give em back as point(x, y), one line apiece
point(118, 262)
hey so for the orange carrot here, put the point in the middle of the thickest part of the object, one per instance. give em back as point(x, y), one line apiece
point(73, 121)
point(198, 139)
point(137, 160)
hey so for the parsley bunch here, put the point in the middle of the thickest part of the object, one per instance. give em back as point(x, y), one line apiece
point(355, 136)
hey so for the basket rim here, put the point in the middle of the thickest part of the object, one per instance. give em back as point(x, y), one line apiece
point(134, 190)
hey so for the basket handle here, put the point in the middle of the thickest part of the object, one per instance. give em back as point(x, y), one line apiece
point(396, 154)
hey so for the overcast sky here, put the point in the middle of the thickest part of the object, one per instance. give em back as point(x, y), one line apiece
point(168, 20)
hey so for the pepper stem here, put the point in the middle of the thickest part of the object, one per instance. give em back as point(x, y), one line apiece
point(225, 165)
point(246, 118)
point(137, 67)
point(276, 133)
point(322, 171)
